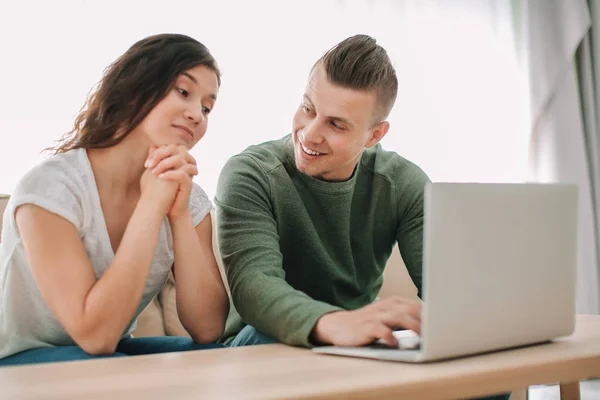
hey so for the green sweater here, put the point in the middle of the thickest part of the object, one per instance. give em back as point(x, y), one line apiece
point(295, 247)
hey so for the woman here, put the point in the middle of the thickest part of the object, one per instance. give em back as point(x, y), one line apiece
point(91, 234)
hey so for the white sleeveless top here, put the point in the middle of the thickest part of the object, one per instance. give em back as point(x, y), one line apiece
point(65, 185)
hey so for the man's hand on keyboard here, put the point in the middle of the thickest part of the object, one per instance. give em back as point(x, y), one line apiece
point(368, 324)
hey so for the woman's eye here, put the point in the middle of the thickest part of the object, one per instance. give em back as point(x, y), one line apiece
point(306, 109)
point(206, 110)
point(183, 92)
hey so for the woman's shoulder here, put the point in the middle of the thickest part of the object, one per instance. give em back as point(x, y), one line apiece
point(200, 204)
point(58, 170)
point(72, 162)
point(59, 184)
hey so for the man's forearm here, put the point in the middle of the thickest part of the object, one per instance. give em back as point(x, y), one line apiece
point(272, 306)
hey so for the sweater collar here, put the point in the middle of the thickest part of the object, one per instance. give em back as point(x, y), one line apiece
point(318, 184)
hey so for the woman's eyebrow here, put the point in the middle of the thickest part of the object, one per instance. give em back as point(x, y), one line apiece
point(191, 77)
point(212, 95)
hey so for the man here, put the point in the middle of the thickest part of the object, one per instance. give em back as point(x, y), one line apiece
point(307, 223)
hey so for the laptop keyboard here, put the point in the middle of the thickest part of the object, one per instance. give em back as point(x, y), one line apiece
point(384, 346)
point(407, 340)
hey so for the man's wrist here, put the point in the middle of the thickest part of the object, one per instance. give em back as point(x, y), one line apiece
point(320, 334)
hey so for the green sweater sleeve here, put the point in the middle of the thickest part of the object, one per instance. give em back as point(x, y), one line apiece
point(410, 230)
point(249, 245)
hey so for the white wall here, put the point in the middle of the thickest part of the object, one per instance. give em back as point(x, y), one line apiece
point(460, 114)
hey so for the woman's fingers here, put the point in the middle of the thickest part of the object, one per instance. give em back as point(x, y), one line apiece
point(166, 164)
point(181, 175)
point(157, 154)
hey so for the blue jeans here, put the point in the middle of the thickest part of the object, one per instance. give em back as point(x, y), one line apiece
point(126, 347)
point(250, 336)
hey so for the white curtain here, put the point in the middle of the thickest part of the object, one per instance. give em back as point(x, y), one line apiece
point(461, 113)
point(551, 33)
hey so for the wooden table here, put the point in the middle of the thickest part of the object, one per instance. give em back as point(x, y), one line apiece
point(281, 372)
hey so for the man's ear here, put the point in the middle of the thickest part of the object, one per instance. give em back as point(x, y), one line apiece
point(378, 132)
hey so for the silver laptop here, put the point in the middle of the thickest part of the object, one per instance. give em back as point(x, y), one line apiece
point(499, 265)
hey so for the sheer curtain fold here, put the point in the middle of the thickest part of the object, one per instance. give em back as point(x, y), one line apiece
point(562, 109)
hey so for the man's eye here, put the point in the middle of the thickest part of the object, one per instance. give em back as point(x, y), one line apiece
point(337, 126)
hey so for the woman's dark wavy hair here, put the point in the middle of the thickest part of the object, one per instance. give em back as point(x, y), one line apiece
point(131, 87)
